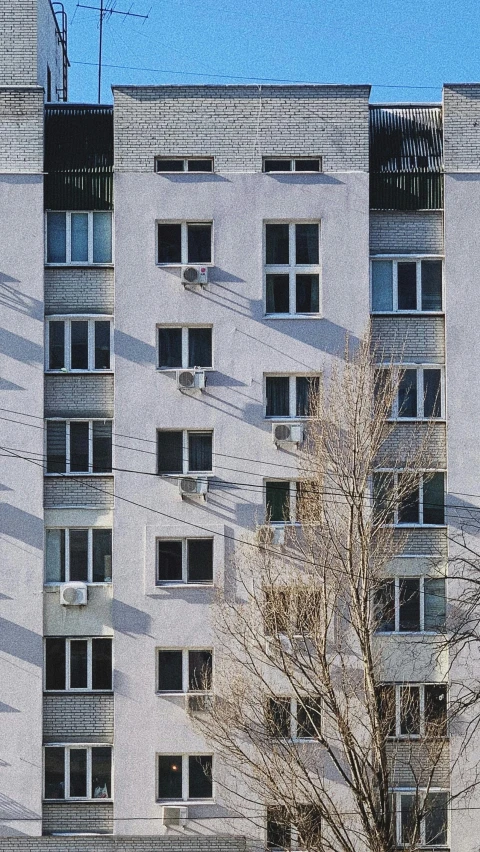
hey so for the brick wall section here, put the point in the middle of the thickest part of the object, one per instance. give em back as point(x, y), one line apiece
point(406, 438)
point(83, 396)
point(78, 491)
point(18, 43)
point(409, 339)
point(461, 128)
point(422, 542)
point(78, 816)
point(78, 718)
point(406, 233)
point(415, 763)
point(21, 130)
point(78, 291)
point(240, 124)
point(181, 843)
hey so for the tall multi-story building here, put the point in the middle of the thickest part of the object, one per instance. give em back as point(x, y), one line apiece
point(175, 270)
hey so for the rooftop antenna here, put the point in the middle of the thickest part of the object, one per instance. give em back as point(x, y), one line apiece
point(106, 10)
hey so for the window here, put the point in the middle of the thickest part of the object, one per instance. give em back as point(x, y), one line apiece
point(79, 446)
point(302, 833)
point(413, 710)
point(184, 671)
point(420, 392)
point(185, 164)
point(428, 814)
point(186, 347)
point(293, 718)
point(78, 772)
point(292, 268)
point(287, 502)
point(188, 560)
point(410, 604)
point(297, 164)
point(184, 242)
point(183, 777)
point(78, 554)
point(402, 499)
point(78, 664)
point(83, 238)
point(78, 344)
point(290, 396)
point(407, 285)
point(184, 452)
point(292, 610)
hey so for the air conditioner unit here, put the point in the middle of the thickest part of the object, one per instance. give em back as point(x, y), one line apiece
point(191, 379)
point(190, 486)
point(287, 433)
point(199, 702)
point(266, 534)
point(73, 594)
point(174, 816)
point(194, 275)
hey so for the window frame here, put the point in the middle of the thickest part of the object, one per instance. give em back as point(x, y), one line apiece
point(184, 581)
point(292, 269)
point(184, 224)
point(406, 258)
point(421, 578)
point(295, 842)
point(421, 474)
point(291, 161)
point(185, 454)
point(67, 319)
point(185, 161)
point(68, 240)
point(67, 747)
point(295, 706)
point(292, 395)
point(185, 672)
point(421, 686)
point(185, 779)
point(416, 795)
point(185, 346)
point(68, 454)
point(90, 531)
point(397, 370)
point(80, 689)
point(294, 496)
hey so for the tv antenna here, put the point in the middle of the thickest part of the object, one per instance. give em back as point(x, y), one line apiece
point(105, 11)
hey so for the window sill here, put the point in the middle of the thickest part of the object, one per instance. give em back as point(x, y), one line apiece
point(175, 369)
point(83, 265)
point(109, 372)
point(292, 316)
point(181, 263)
point(69, 801)
point(55, 584)
point(179, 694)
point(78, 692)
point(185, 802)
point(417, 526)
point(194, 474)
point(182, 585)
point(416, 420)
point(408, 313)
point(83, 472)
point(409, 633)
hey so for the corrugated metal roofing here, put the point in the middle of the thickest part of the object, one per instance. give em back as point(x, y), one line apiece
point(406, 139)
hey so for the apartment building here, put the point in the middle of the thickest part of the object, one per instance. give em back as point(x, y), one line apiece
point(176, 271)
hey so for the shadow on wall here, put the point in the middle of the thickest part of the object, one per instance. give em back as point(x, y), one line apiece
point(133, 349)
point(21, 525)
point(13, 298)
point(9, 809)
point(9, 386)
point(130, 620)
point(19, 348)
point(19, 642)
point(6, 708)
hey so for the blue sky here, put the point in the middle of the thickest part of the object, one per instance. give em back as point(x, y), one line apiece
point(405, 48)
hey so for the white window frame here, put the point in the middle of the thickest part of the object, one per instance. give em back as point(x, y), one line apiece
point(68, 641)
point(406, 258)
point(68, 240)
point(88, 747)
point(292, 269)
point(294, 703)
point(414, 794)
point(421, 580)
point(185, 161)
point(185, 778)
point(396, 370)
point(290, 162)
point(67, 319)
point(185, 453)
point(398, 698)
point(294, 838)
point(90, 531)
point(293, 483)
point(185, 672)
point(90, 421)
point(421, 473)
point(184, 580)
point(292, 395)
point(185, 351)
point(184, 223)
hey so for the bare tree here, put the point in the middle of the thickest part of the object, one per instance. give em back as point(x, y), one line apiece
point(320, 716)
